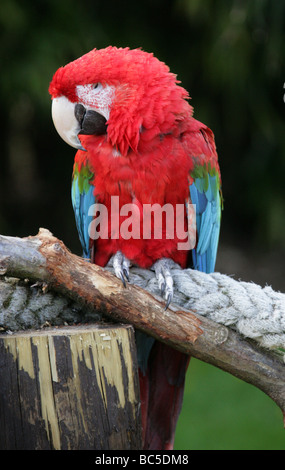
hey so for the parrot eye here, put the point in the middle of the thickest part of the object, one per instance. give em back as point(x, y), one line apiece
point(97, 87)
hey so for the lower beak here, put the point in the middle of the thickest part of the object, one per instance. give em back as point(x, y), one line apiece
point(65, 122)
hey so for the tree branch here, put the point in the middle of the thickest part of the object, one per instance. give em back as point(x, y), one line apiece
point(44, 258)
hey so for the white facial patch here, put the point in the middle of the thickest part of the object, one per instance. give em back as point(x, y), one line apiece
point(96, 96)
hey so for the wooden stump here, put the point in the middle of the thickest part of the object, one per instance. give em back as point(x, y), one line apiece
point(70, 388)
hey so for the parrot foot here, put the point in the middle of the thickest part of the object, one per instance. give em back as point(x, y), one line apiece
point(121, 267)
point(164, 278)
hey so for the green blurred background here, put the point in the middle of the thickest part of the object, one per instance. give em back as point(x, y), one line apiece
point(229, 55)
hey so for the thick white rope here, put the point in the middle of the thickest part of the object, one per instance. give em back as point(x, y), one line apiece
point(254, 311)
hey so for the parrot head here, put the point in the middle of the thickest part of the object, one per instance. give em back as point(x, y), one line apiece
point(126, 95)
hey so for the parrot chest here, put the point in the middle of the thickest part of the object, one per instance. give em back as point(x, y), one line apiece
point(141, 197)
point(159, 175)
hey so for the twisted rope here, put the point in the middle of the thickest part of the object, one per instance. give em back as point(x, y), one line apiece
point(255, 312)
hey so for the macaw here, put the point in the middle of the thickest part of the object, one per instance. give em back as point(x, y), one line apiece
point(136, 139)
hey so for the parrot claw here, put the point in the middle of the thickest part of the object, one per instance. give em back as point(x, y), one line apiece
point(168, 300)
point(121, 267)
point(126, 273)
point(165, 281)
point(121, 276)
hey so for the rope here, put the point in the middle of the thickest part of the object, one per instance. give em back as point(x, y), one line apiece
point(255, 312)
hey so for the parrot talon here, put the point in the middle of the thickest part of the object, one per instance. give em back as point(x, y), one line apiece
point(168, 301)
point(164, 278)
point(121, 267)
point(126, 273)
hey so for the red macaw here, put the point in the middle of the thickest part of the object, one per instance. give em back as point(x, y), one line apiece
point(140, 143)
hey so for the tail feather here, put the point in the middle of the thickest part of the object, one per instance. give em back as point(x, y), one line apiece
point(162, 387)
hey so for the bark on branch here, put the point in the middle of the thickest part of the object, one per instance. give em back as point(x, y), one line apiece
point(44, 258)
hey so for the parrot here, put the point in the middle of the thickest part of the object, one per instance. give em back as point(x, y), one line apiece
point(139, 145)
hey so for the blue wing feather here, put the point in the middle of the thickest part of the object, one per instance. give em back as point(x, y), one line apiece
point(82, 198)
point(205, 194)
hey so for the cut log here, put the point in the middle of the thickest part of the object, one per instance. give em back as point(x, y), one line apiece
point(70, 388)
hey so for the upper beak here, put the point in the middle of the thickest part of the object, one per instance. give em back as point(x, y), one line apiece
point(65, 122)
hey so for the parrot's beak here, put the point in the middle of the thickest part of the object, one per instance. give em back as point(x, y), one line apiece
point(65, 121)
point(71, 119)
